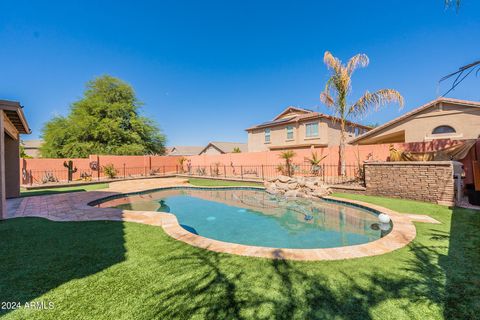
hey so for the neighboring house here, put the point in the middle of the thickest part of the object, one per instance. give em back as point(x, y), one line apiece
point(443, 118)
point(12, 123)
point(32, 147)
point(184, 150)
point(224, 147)
point(299, 128)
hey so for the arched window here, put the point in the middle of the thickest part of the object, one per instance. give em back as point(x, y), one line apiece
point(443, 129)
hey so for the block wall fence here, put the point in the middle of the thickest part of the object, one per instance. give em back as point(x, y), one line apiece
point(34, 169)
point(424, 181)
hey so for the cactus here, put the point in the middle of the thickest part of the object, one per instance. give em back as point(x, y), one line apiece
point(71, 169)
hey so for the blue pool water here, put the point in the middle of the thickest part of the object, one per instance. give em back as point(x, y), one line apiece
point(253, 217)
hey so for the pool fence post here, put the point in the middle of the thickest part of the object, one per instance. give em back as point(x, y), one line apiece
point(98, 167)
point(176, 168)
point(241, 171)
point(263, 176)
point(225, 171)
point(124, 171)
point(31, 177)
point(163, 170)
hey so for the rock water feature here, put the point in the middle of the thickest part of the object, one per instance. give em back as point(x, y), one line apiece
point(297, 187)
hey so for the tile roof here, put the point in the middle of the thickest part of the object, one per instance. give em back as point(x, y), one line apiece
point(432, 103)
point(227, 147)
point(184, 150)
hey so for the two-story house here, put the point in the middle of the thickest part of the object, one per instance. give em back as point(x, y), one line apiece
point(299, 128)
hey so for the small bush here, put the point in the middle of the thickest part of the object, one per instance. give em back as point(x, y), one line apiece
point(110, 171)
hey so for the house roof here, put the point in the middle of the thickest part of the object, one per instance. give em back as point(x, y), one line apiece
point(32, 144)
point(14, 112)
point(432, 103)
point(290, 109)
point(184, 150)
point(226, 147)
point(304, 116)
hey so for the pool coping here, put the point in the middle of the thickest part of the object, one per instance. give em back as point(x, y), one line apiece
point(401, 234)
point(75, 207)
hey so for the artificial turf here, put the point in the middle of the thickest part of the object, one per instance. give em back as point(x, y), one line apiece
point(119, 270)
point(218, 183)
point(54, 190)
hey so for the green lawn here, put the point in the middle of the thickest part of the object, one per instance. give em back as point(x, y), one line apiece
point(115, 270)
point(218, 183)
point(40, 192)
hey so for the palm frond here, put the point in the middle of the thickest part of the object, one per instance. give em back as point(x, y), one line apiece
point(331, 61)
point(359, 60)
point(326, 98)
point(376, 100)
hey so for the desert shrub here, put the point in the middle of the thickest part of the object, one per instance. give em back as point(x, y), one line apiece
point(110, 171)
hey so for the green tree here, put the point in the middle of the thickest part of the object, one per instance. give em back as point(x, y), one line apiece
point(105, 121)
point(338, 88)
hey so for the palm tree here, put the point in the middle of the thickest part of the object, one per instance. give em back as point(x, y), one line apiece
point(314, 161)
point(287, 156)
point(338, 89)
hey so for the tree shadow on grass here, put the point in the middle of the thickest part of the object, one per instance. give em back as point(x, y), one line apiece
point(38, 255)
point(426, 283)
point(462, 266)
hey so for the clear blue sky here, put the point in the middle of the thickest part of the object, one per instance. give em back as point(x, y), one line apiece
point(206, 70)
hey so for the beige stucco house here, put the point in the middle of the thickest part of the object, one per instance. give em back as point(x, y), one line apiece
point(32, 147)
point(218, 147)
point(299, 128)
point(12, 123)
point(184, 150)
point(443, 118)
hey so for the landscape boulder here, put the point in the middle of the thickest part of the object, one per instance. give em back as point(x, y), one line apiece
point(293, 187)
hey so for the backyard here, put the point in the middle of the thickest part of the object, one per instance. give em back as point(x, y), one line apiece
point(122, 270)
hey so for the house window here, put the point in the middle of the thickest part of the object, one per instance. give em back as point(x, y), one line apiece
point(267, 135)
point(289, 132)
point(443, 129)
point(311, 130)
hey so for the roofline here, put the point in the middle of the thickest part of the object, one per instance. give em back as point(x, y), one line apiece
point(287, 109)
point(314, 116)
point(415, 111)
point(15, 106)
point(213, 145)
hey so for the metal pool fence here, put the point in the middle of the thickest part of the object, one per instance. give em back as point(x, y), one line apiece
point(328, 173)
point(38, 177)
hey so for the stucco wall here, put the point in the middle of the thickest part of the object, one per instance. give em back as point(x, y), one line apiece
point(12, 183)
point(128, 165)
point(424, 181)
point(328, 135)
point(465, 120)
point(211, 150)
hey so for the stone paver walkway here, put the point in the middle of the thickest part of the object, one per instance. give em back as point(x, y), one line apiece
point(74, 207)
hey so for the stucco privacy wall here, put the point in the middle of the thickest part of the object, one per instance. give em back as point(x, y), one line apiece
point(134, 164)
point(353, 154)
point(425, 181)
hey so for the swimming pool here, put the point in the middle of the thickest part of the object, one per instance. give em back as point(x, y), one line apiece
point(253, 217)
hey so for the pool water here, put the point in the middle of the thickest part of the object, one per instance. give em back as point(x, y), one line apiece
point(254, 217)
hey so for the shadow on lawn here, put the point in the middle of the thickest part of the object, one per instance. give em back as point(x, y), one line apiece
point(462, 266)
point(224, 287)
point(44, 254)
